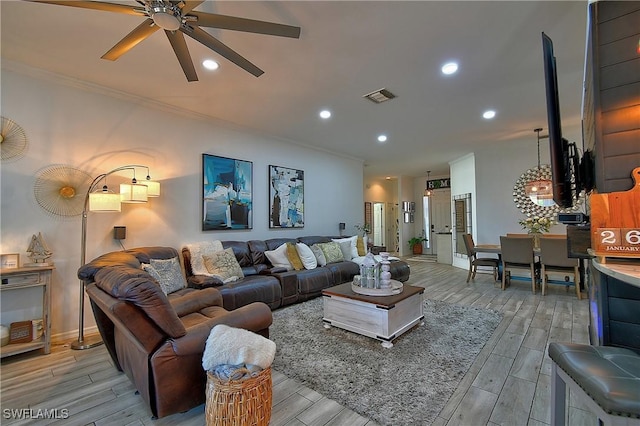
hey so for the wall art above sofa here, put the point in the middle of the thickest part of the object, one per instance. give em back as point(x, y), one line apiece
point(286, 197)
point(227, 193)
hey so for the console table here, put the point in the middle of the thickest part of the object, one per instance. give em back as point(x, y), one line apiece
point(20, 279)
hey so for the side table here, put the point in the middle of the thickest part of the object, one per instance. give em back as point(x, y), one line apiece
point(17, 279)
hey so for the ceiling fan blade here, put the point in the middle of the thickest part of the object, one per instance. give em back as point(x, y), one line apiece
point(182, 53)
point(217, 46)
point(245, 25)
point(141, 32)
point(96, 5)
point(189, 5)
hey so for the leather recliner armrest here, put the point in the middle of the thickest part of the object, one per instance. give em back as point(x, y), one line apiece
point(253, 317)
point(203, 281)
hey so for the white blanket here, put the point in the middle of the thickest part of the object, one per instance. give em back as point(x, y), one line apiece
point(197, 250)
point(229, 345)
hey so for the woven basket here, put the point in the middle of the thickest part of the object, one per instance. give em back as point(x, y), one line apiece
point(239, 402)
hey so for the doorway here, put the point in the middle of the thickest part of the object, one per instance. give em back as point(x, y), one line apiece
point(379, 219)
point(437, 217)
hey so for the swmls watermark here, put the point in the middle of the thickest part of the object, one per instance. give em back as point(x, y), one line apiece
point(35, 413)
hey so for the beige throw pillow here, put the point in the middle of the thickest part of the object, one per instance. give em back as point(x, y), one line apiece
point(167, 272)
point(223, 265)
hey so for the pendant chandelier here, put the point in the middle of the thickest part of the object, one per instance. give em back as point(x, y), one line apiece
point(540, 190)
point(427, 190)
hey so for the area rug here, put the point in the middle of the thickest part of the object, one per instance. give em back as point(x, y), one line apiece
point(407, 384)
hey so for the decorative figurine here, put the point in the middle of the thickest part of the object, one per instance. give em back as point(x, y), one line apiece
point(38, 251)
point(385, 275)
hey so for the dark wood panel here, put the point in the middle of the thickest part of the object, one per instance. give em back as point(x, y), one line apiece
point(621, 120)
point(621, 143)
point(620, 97)
point(608, 10)
point(619, 167)
point(620, 27)
point(622, 50)
point(620, 74)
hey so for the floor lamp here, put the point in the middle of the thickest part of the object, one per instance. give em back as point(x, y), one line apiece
point(105, 200)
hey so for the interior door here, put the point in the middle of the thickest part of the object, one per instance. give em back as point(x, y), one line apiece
point(440, 202)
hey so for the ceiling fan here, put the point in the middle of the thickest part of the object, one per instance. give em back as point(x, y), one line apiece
point(177, 18)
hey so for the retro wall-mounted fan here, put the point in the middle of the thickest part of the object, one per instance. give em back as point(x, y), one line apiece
point(177, 18)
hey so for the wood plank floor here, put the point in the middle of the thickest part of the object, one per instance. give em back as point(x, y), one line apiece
point(508, 384)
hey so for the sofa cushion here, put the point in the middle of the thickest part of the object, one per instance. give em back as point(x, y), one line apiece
point(278, 257)
point(167, 272)
point(294, 257)
point(223, 265)
point(306, 255)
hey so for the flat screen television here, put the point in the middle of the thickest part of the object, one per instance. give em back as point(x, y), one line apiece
point(560, 149)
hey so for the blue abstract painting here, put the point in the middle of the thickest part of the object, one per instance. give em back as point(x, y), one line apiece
point(227, 193)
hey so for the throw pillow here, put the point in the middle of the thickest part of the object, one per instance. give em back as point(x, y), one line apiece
point(318, 254)
point(197, 250)
point(360, 245)
point(332, 252)
point(223, 265)
point(345, 247)
point(294, 257)
point(168, 273)
point(307, 257)
point(278, 257)
point(353, 246)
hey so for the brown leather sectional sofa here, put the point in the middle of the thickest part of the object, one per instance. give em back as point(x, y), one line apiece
point(158, 340)
point(276, 286)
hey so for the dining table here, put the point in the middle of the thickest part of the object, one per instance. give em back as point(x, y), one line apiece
point(496, 249)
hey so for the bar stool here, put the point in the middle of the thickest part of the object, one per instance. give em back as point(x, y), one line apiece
point(605, 378)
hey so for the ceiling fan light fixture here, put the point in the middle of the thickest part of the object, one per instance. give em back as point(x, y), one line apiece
point(166, 18)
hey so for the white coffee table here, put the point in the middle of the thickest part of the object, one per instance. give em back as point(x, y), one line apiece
point(380, 317)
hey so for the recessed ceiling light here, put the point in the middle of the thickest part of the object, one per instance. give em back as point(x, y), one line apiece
point(210, 64)
point(449, 68)
point(382, 138)
point(489, 114)
point(325, 113)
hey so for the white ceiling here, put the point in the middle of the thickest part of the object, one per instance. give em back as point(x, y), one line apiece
point(346, 49)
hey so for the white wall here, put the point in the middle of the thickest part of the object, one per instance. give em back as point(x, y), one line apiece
point(90, 128)
point(463, 181)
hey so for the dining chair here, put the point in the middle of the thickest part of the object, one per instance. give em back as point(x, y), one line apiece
point(517, 253)
point(554, 257)
point(475, 261)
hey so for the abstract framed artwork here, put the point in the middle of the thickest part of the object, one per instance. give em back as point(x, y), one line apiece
point(286, 197)
point(227, 193)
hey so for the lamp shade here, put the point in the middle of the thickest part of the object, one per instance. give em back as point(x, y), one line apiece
point(133, 193)
point(104, 201)
point(153, 188)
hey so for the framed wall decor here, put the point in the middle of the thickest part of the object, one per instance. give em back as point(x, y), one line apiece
point(227, 193)
point(10, 261)
point(286, 197)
